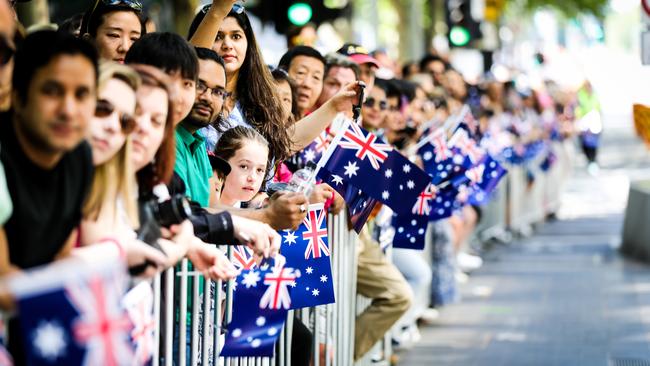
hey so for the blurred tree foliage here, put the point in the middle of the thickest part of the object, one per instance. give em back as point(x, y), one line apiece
point(569, 8)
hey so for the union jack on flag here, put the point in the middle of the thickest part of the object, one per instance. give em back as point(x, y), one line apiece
point(253, 330)
point(139, 306)
point(467, 145)
point(475, 175)
point(277, 295)
point(314, 286)
point(242, 257)
point(422, 207)
point(314, 234)
point(361, 159)
point(440, 148)
point(367, 145)
point(72, 313)
point(102, 324)
point(322, 142)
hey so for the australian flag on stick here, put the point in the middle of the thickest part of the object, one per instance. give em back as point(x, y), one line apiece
point(363, 160)
point(307, 250)
point(260, 308)
point(70, 314)
point(360, 204)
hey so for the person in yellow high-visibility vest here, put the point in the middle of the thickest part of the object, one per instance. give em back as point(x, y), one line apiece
point(589, 124)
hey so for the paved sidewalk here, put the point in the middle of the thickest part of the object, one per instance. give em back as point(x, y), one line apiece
point(561, 297)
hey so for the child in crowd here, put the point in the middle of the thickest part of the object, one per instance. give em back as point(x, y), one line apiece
point(246, 151)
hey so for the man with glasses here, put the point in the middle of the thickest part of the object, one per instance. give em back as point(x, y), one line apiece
point(192, 163)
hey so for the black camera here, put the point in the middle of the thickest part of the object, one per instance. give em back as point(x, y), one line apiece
point(155, 215)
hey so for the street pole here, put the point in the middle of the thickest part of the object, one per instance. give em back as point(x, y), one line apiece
point(33, 12)
point(183, 14)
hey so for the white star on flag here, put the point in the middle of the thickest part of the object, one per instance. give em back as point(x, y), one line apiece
point(337, 179)
point(389, 173)
point(290, 238)
point(315, 292)
point(410, 184)
point(49, 339)
point(385, 195)
point(310, 155)
point(406, 168)
point(323, 278)
point(251, 279)
point(309, 270)
point(351, 169)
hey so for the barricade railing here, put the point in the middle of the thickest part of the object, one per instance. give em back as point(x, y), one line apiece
point(200, 336)
point(197, 339)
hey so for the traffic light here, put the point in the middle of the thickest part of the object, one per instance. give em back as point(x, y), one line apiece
point(287, 13)
point(463, 30)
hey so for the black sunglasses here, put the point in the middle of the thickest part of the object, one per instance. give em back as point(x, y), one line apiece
point(7, 50)
point(370, 103)
point(104, 108)
point(238, 8)
point(136, 5)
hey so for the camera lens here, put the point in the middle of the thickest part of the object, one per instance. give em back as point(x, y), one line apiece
point(173, 211)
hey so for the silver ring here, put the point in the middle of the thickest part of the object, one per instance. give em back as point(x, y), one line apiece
point(302, 208)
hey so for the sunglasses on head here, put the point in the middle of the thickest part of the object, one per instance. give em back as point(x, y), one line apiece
point(238, 8)
point(7, 50)
point(370, 103)
point(136, 5)
point(105, 108)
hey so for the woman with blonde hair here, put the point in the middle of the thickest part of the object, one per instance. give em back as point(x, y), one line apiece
point(111, 203)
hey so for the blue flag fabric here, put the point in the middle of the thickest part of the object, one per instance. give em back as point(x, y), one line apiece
point(410, 230)
point(71, 315)
point(443, 204)
point(260, 308)
point(366, 162)
point(441, 160)
point(485, 175)
point(307, 250)
point(360, 205)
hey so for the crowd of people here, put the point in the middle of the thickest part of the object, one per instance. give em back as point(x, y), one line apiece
point(104, 122)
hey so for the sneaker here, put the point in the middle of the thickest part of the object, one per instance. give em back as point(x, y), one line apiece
point(593, 169)
point(461, 277)
point(467, 262)
point(429, 316)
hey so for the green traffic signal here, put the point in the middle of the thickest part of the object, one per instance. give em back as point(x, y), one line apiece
point(459, 36)
point(299, 13)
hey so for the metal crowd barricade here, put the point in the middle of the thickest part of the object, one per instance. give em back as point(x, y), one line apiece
point(493, 223)
point(332, 325)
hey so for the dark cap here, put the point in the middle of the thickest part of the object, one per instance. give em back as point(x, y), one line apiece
point(358, 54)
point(219, 163)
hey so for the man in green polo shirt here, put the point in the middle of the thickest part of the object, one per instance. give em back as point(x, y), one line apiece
point(192, 163)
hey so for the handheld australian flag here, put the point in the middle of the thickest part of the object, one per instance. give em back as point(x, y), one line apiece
point(138, 303)
point(366, 162)
point(484, 176)
point(360, 204)
point(260, 308)
point(71, 314)
point(307, 250)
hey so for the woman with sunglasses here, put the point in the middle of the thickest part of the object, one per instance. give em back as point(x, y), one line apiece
point(374, 108)
point(110, 208)
point(114, 25)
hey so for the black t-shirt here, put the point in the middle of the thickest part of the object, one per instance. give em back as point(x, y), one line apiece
point(47, 203)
